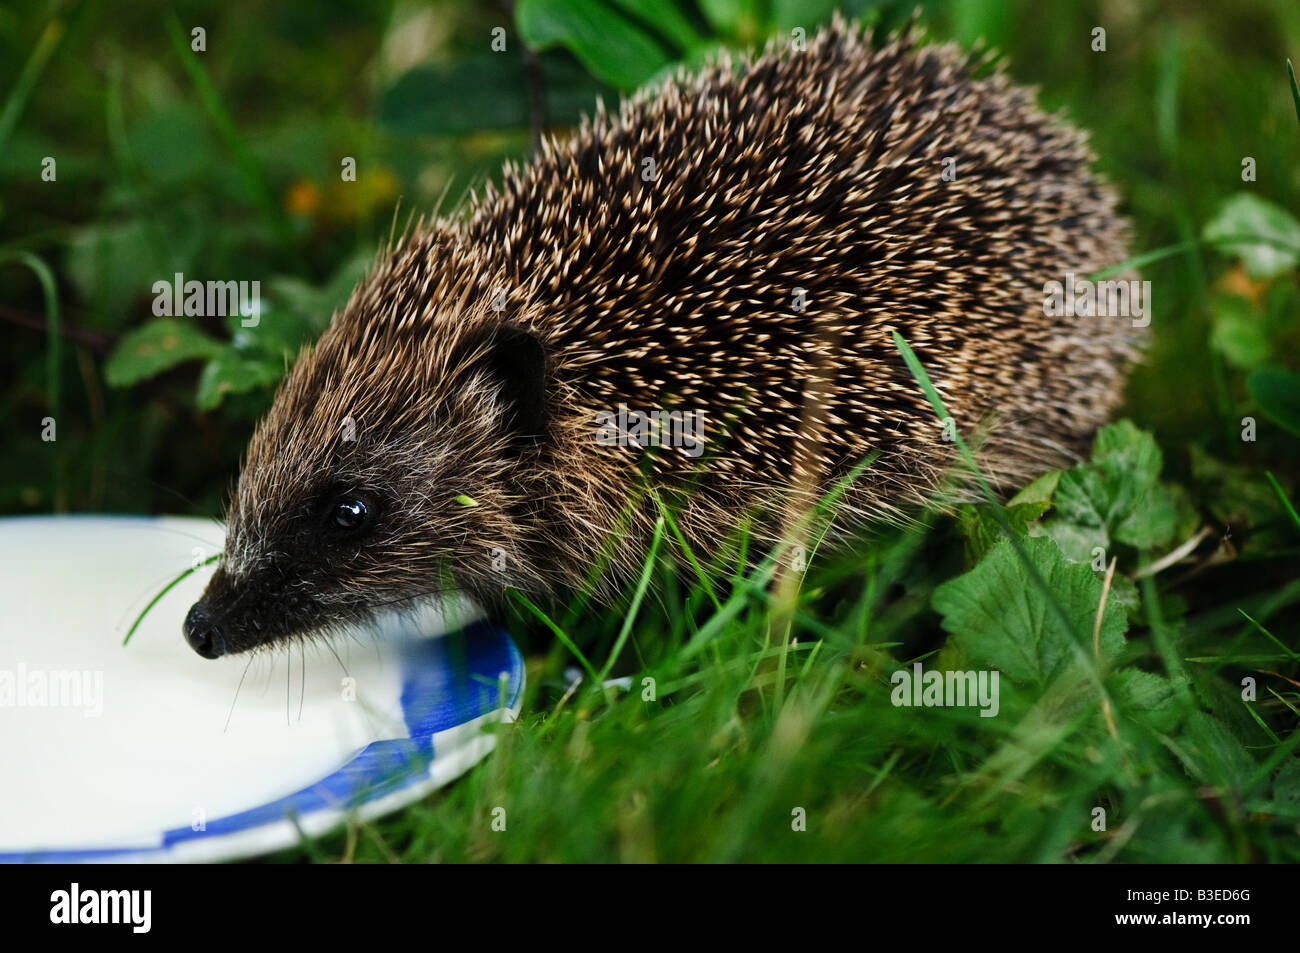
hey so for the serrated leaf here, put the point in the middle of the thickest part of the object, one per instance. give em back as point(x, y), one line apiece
point(1148, 698)
point(230, 373)
point(1277, 392)
point(1003, 621)
point(606, 42)
point(1264, 236)
point(1122, 445)
point(154, 347)
point(1116, 497)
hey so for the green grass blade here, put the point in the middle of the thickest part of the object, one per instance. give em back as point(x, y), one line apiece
point(1295, 90)
point(1273, 638)
point(1281, 495)
point(53, 349)
point(630, 617)
point(162, 592)
point(21, 94)
point(700, 574)
point(556, 630)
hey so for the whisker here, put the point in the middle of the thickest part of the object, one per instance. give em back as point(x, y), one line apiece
point(237, 690)
point(302, 692)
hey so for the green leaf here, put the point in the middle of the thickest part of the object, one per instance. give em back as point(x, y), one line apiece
point(667, 18)
point(1116, 497)
point(1239, 333)
point(606, 42)
point(231, 373)
point(981, 527)
point(1001, 621)
point(1234, 494)
point(155, 347)
point(1038, 494)
point(115, 265)
point(295, 311)
point(1265, 236)
point(1147, 698)
point(738, 19)
point(482, 91)
point(1213, 754)
point(1277, 392)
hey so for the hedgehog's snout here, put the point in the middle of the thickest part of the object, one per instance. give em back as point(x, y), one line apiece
point(203, 633)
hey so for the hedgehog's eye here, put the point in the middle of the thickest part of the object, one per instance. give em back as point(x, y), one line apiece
point(350, 514)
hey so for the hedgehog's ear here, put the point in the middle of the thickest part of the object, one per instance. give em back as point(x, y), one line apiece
point(515, 361)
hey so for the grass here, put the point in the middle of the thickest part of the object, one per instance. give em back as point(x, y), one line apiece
point(757, 722)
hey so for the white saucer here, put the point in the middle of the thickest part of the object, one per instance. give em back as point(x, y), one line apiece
point(149, 752)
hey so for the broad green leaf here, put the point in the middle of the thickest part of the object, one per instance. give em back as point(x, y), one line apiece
point(1265, 236)
point(1122, 445)
point(1003, 621)
point(1038, 493)
point(1240, 334)
point(1117, 497)
point(738, 19)
point(666, 17)
point(230, 373)
point(981, 527)
point(606, 42)
point(1277, 392)
point(115, 265)
point(1147, 698)
point(482, 91)
point(156, 346)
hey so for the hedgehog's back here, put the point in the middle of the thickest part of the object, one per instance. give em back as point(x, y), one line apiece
point(741, 241)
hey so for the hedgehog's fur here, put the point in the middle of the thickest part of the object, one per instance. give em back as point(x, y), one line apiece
point(818, 169)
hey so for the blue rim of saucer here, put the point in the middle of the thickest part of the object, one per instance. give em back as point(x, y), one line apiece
point(448, 681)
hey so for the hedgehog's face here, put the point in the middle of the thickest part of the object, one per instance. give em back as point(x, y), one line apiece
point(371, 488)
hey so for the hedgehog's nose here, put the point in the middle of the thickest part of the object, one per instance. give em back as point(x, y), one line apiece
point(203, 633)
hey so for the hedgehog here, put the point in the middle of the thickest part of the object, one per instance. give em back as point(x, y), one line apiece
point(690, 299)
